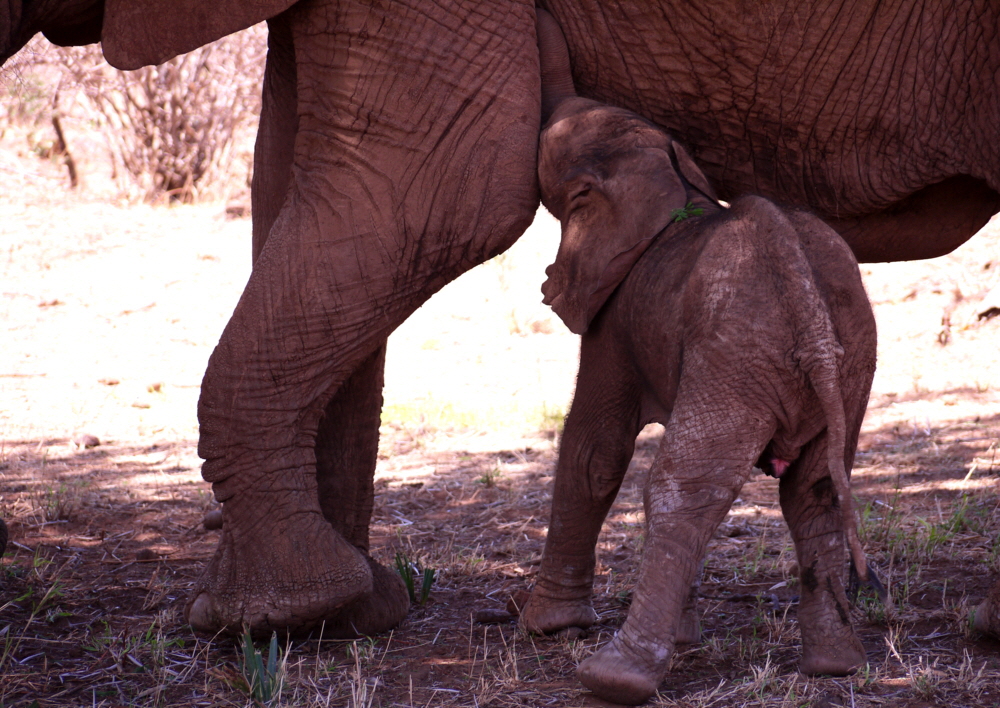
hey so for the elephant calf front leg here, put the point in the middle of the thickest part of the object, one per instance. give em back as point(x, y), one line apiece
point(596, 448)
point(708, 450)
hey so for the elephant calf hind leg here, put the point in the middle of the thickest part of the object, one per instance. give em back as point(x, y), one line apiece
point(829, 645)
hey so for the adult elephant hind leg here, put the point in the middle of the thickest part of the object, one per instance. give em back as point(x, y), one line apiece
point(396, 187)
point(597, 445)
point(808, 502)
point(347, 437)
point(709, 447)
point(346, 453)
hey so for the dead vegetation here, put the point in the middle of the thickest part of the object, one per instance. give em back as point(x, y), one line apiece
point(177, 131)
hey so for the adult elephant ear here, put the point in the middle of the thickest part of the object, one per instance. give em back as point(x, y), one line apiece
point(139, 33)
point(601, 241)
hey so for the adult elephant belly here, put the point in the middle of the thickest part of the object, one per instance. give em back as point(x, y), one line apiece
point(413, 159)
point(880, 117)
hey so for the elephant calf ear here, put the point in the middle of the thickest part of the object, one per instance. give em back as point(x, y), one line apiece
point(139, 33)
point(695, 177)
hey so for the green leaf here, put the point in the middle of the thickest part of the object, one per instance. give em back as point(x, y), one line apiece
point(686, 212)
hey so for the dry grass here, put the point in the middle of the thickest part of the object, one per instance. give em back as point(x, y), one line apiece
point(107, 541)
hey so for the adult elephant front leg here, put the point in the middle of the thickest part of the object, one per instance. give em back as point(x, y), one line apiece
point(346, 453)
point(413, 161)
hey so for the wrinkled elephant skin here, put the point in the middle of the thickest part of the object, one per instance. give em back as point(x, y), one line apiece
point(397, 149)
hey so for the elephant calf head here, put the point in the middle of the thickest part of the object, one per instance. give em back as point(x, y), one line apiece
point(615, 181)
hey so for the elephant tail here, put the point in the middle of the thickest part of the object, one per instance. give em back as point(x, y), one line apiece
point(823, 370)
point(820, 356)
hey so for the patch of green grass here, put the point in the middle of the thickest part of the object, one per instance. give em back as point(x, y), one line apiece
point(686, 212)
point(409, 571)
point(264, 678)
point(11, 645)
point(491, 476)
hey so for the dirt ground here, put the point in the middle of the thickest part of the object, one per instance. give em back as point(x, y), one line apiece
point(109, 313)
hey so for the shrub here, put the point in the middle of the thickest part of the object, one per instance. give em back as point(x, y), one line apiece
point(171, 128)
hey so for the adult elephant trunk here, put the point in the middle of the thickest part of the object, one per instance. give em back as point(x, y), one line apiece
point(553, 55)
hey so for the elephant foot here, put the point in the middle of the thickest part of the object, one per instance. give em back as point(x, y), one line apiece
point(831, 660)
point(987, 614)
point(374, 612)
point(616, 675)
point(545, 615)
point(287, 575)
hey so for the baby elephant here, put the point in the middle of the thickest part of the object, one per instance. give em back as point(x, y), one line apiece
point(746, 332)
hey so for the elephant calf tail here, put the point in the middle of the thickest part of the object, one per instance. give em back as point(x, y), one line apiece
point(823, 373)
point(820, 356)
point(824, 376)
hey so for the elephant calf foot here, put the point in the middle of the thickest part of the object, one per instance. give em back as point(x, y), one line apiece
point(832, 660)
point(376, 611)
point(545, 615)
point(287, 575)
point(616, 675)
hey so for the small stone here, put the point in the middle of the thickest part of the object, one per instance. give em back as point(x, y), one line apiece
point(155, 387)
point(212, 520)
point(516, 602)
point(237, 210)
point(733, 530)
point(140, 404)
point(492, 615)
point(85, 441)
point(146, 554)
point(109, 382)
point(572, 633)
point(828, 700)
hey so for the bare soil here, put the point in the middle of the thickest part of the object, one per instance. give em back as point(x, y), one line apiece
point(109, 313)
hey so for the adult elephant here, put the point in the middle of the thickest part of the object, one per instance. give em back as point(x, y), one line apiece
point(397, 149)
